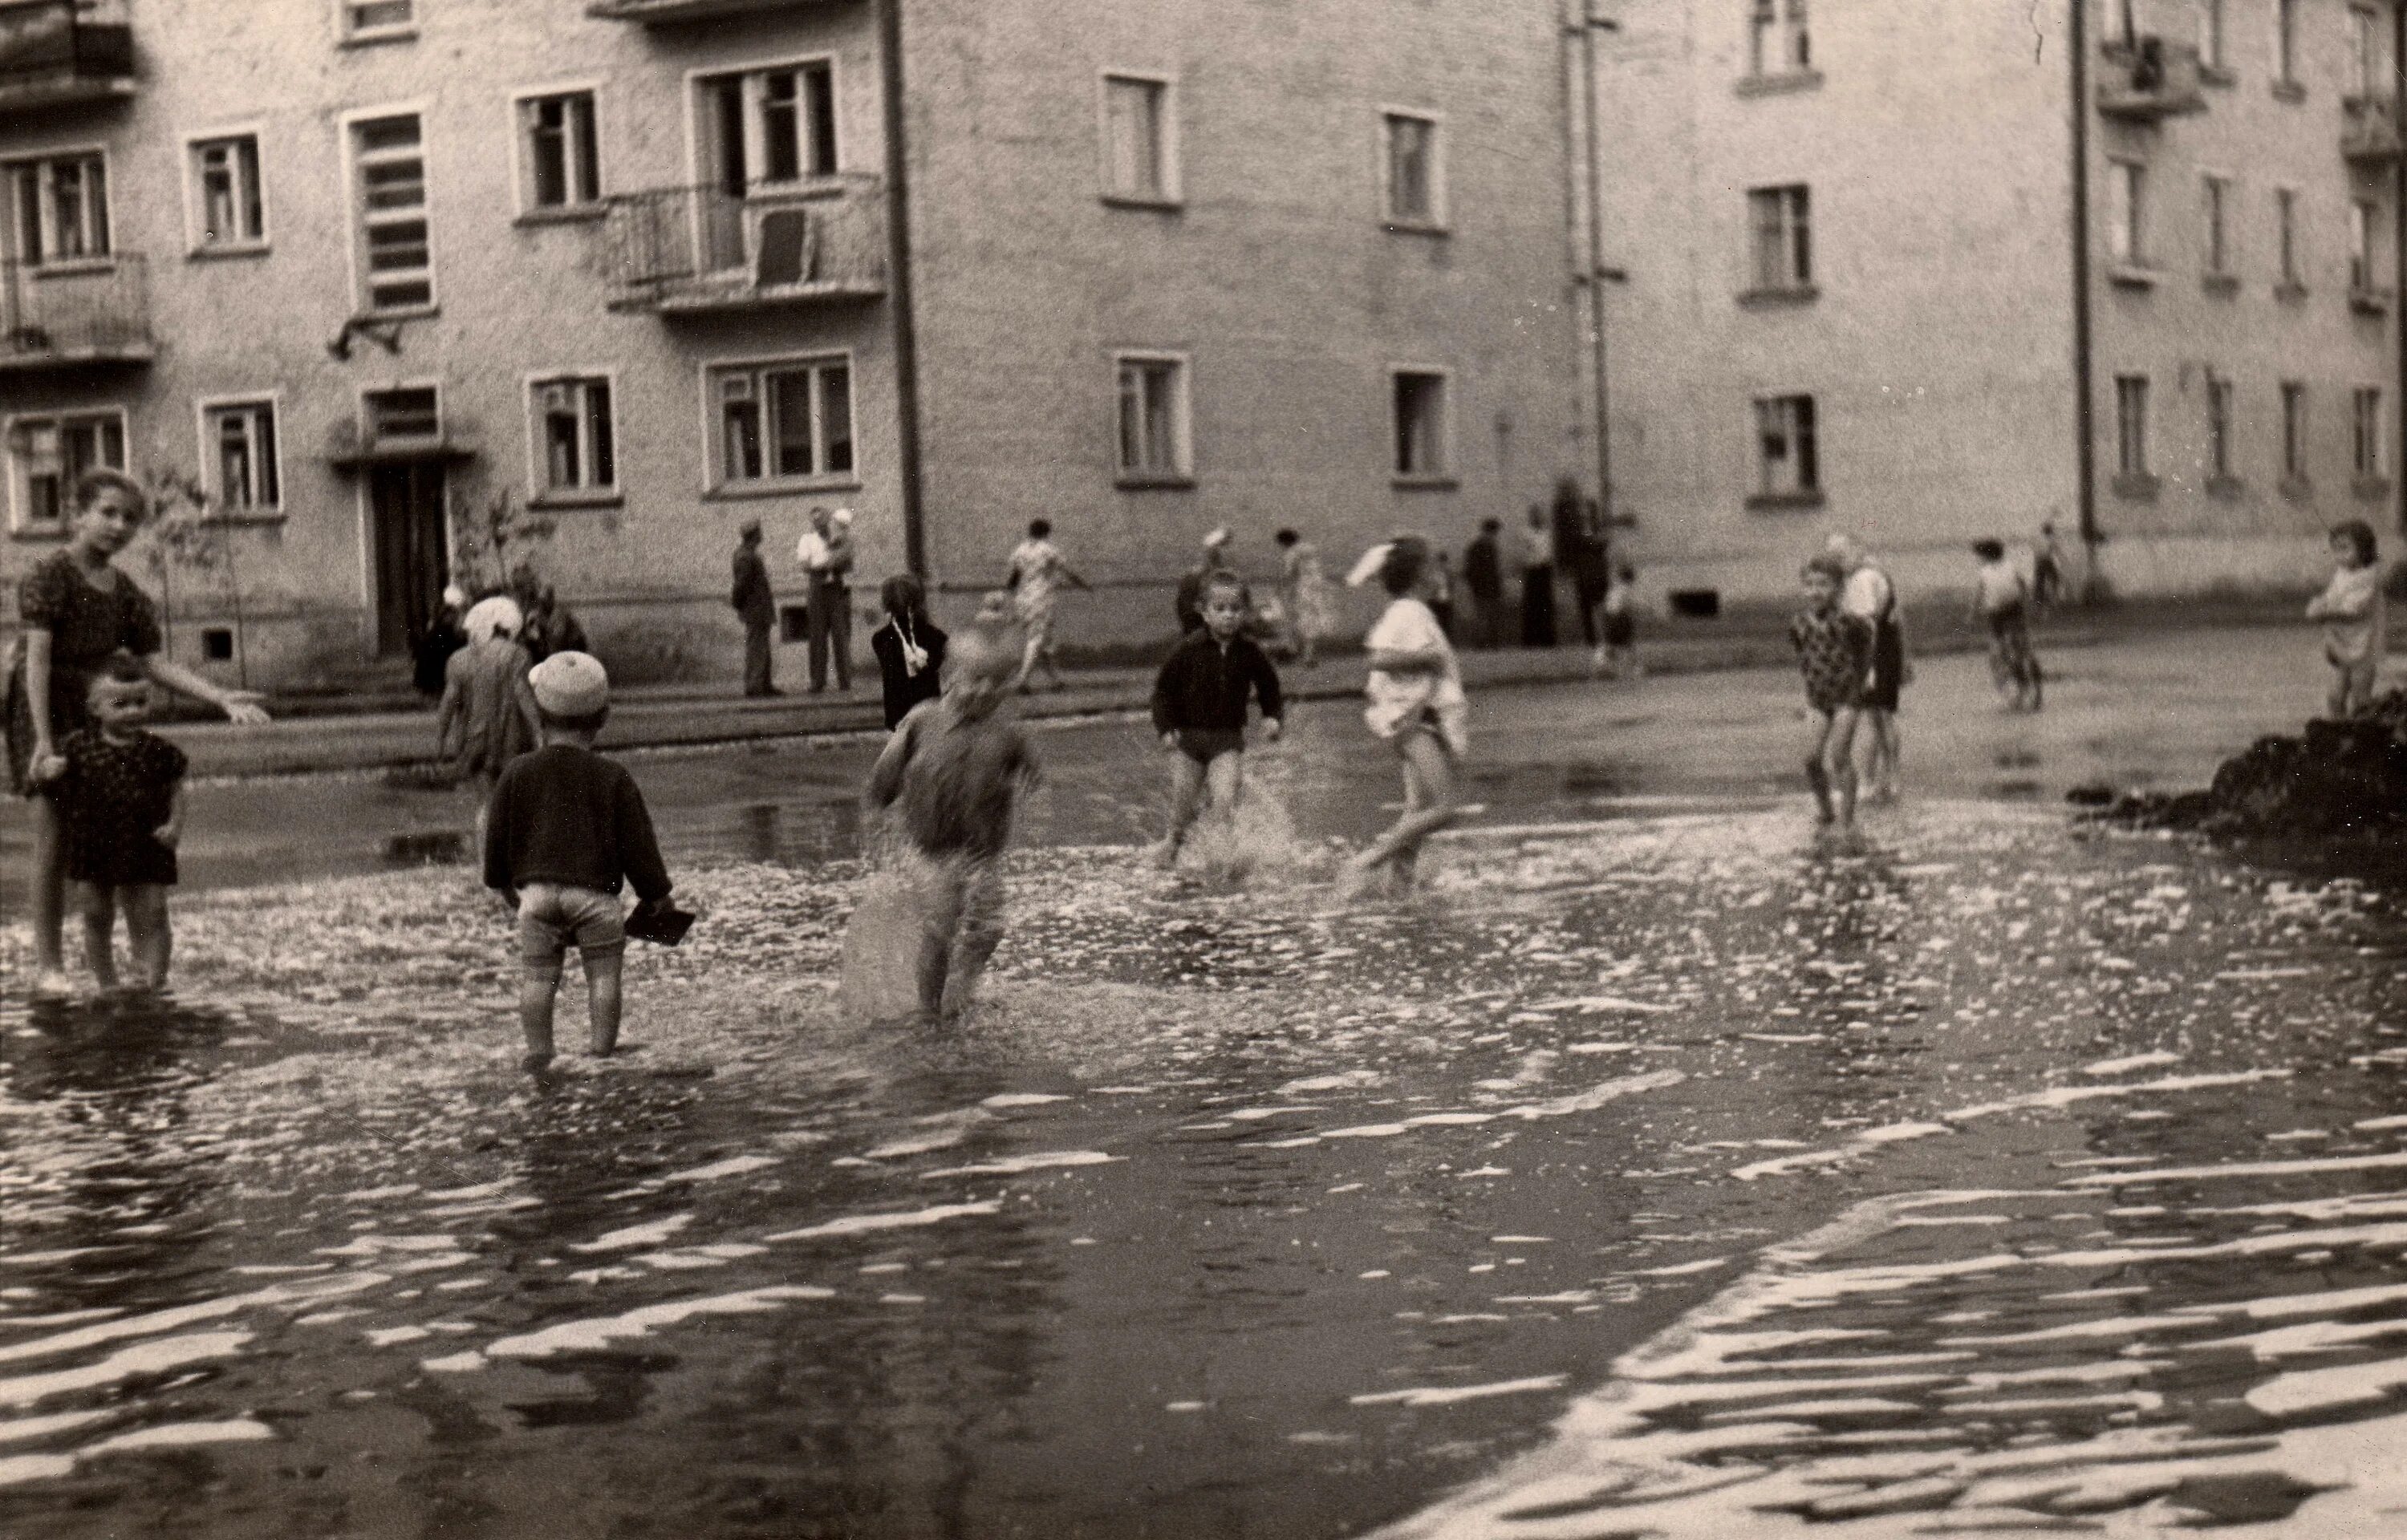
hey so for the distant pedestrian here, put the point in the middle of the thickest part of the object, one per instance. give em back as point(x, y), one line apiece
point(431, 652)
point(565, 831)
point(2355, 618)
point(1483, 579)
point(1416, 704)
point(1872, 597)
point(756, 605)
point(1200, 702)
point(488, 716)
point(825, 552)
point(1834, 647)
point(1580, 553)
point(1308, 596)
point(2048, 568)
point(1537, 580)
point(1038, 572)
point(1189, 603)
point(122, 796)
point(1616, 654)
point(552, 627)
point(2001, 607)
point(909, 648)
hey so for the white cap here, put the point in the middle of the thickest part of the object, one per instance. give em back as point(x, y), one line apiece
point(570, 684)
point(488, 616)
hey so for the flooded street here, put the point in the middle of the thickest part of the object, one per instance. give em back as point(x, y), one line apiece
point(1661, 1169)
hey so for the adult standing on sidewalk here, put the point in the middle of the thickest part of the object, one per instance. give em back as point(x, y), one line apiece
point(826, 555)
point(1483, 578)
point(1871, 596)
point(756, 603)
point(1537, 580)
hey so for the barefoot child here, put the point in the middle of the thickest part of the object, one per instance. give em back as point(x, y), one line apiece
point(2001, 604)
point(565, 830)
point(2355, 615)
point(1199, 709)
point(951, 774)
point(1834, 645)
point(121, 799)
point(1416, 704)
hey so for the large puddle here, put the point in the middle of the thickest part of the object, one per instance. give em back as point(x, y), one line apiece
point(1673, 1175)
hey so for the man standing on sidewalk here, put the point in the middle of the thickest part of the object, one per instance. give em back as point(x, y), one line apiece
point(1483, 574)
point(757, 605)
point(826, 555)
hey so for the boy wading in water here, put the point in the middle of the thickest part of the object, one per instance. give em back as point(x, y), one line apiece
point(1418, 705)
point(1199, 709)
point(567, 828)
point(2354, 615)
point(121, 796)
point(1836, 649)
point(952, 773)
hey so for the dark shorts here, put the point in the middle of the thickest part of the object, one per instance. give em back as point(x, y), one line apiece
point(1205, 744)
point(1888, 666)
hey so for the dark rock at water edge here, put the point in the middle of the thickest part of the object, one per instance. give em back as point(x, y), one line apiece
point(2336, 779)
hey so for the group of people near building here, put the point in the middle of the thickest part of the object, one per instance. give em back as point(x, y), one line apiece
point(824, 555)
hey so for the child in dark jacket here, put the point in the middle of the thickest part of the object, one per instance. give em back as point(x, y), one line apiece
point(1199, 707)
point(910, 649)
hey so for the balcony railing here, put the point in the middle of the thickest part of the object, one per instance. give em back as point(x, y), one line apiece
point(2369, 134)
point(689, 10)
point(60, 314)
point(688, 250)
point(2152, 81)
point(56, 52)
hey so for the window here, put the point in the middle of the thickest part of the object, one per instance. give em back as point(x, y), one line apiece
point(239, 438)
point(1777, 42)
point(1784, 251)
point(2126, 205)
point(2286, 224)
point(1136, 140)
point(49, 455)
point(2210, 34)
point(783, 421)
point(1420, 408)
point(561, 160)
point(2122, 27)
point(1415, 192)
point(1152, 419)
point(768, 126)
point(226, 195)
point(1788, 459)
point(2131, 425)
point(2294, 431)
point(409, 412)
point(59, 207)
point(378, 18)
point(2365, 51)
point(396, 255)
point(574, 436)
point(2286, 42)
point(2365, 434)
point(2218, 427)
point(2218, 226)
point(2363, 221)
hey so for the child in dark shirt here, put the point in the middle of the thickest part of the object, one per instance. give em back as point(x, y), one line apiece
point(122, 801)
point(565, 829)
point(1199, 709)
point(910, 649)
point(1834, 647)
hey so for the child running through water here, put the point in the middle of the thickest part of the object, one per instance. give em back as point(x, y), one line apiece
point(122, 796)
point(1416, 704)
point(2000, 603)
point(2355, 618)
point(565, 830)
point(1199, 707)
point(952, 773)
point(1834, 646)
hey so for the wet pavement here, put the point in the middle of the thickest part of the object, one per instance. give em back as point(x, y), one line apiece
point(1663, 1169)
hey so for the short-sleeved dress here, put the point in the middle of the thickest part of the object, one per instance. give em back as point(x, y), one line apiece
point(112, 799)
point(87, 622)
point(1836, 650)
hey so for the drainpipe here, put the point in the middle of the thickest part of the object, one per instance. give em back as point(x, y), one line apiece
point(2399, 261)
point(898, 287)
point(1590, 24)
point(2084, 403)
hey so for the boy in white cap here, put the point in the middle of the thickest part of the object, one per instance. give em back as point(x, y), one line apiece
point(566, 829)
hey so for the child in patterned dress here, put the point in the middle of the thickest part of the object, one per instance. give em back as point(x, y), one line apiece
point(121, 799)
point(1836, 649)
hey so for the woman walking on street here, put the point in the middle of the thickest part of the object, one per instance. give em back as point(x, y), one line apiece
point(1305, 588)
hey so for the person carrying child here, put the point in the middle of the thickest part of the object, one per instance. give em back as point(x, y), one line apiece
point(565, 831)
point(951, 776)
point(121, 794)
point(909, 648)
point(2356, 616)
point(1416, 705)
point(1834, 646)
point(2000, 603)
point(1200, 699)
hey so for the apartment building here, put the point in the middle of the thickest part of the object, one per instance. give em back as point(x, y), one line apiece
point(366, 282)
point(1929, 273)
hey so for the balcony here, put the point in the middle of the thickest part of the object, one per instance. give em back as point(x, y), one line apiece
point(698, 250)
point(2150, 81)
point(2369, 135)
point(58, 52)
point(659, 12)
point(60, 315)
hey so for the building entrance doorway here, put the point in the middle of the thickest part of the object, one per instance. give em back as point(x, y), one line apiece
point(408, 522)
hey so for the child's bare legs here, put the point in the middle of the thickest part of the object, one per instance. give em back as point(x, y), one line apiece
point(98, 905)
point(537, 989)
point(1841, 765)
point(977, 933)
point(1817, 766)
point(1186, 804)
point(2352, 689)
point(1428, 804)
point(148, 937)
point(1880, 765)
point(602, 1001)
point(49, 897)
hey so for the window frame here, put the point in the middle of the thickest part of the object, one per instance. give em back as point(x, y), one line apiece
point(2365, 43)
point(700, 134)
point(1800, 435)
point(1438, 220)
point(197, 240)
point(207, 410)
point(2126, 212)
point(367, 416)
point(523, 104)
point(717, 485)
point(2364, 246)
point(1780, 40)
point(21, 525)
point(2297, 432)
point(2290, 278)
point(1181, 471)
point(2132, 459)
point(2213, 35)
point(2286, 47)
point(2222, 425)
point(1171, 190)
point(1446, 473)
point(2367, 447)
point(355, 211)
point(347, 29)
point(1792, 206)
point(541, 493)
point(2215, 209)
point(106, 227)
